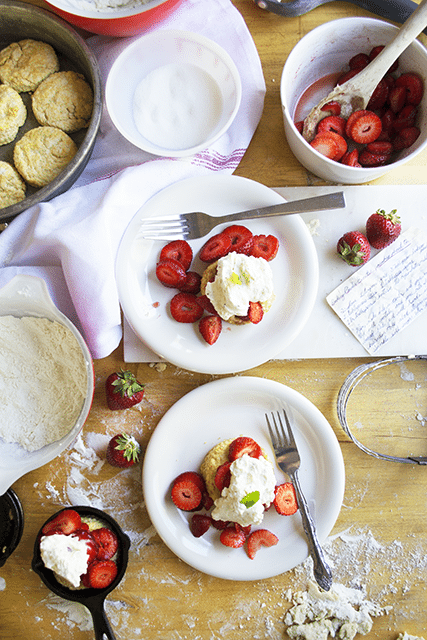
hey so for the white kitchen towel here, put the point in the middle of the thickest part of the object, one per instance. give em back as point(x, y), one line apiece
point(72, 241)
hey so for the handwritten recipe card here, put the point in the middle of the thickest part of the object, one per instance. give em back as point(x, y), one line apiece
point(387, 293)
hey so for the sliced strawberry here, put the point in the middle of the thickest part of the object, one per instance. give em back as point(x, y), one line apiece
point(352, 119)
point(265, 247)
point(405, 118)
point(255, 312)
point(101, 574)
point(405, 138)
point(207, 501)
point(413, 86)
point(241, 238)
point(242, 445)
point(91, 544)
point(260, 538)
point(171, 273)
point(333, 107)
point(178, 250)
point(366, 128)
point(387, 120)
point(379, 96)
point(193, 476)
point(186, 494)
point(351, 158)
point(184, 307)
point(199, 524)
point(210, 327)
point(223, 476)
point(359, 61)
point(369, 159)
point(192, 282)
point(325, 144)
point(107, 542)
point(376, 50)
point(216, 247)
point(299, 126)
point(220, 524)
point(380, 147)
point(231, 537)
point(348, 75)
point(285, 500)
point(207, 304)
point(336, 124)
point(66, 522)
point(397, 98)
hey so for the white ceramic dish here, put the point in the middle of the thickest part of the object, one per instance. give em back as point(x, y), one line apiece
point(159, 49)
point(145, 301)
point(326, 50)
point(28, 296)
point(225, 409)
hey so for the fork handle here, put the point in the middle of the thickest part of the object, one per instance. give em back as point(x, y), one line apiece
point(316, 203)
point(321, 569)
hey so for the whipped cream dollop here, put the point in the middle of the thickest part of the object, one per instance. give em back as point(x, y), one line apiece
point(247, 475)
point(67, 556)
point(239, 279)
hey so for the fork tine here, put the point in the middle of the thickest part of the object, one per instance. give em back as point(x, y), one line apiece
point(273, 436)
point(289, 434)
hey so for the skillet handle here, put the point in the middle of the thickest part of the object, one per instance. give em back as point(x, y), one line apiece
point(397, 11)
point(101, 625)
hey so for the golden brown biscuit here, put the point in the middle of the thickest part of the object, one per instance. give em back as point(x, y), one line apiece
point(42, 153)
point(217, 456)
point(12, 186)
point(24, 64)
point(63, 100)
point(13, 114)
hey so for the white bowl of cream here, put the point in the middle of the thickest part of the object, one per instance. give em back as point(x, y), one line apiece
point(173, 93)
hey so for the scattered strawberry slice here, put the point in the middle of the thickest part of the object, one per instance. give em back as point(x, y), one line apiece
point(352, 119)
point(359, 61)
point(405, 138)
point(186, 493)
point(351, 158)
point(285, 500)
point(223, 476)
point(325, 144)
point(101, 574)
point(413, 85)
point(123, 451)
point(242, 445)
point(192, 476)
point(233, 537)
point(260, 538)
point(207, 304)
point(380, 147)
point(366, 128)
point(216, 247)
point(171, 273)
point(241, 238)
point(199, 524)
point(123, 390)
point(379, 96)
point(192, 282)
point(397, 98)
point(336, 124)
point(210, 328)
point(255, 312)
point(265, 247)
point(383, 228)
point(178, 250)
point(405, 118)
point(369, 159)
point(333, 107)
point(66, 522)
point(354, 248)
point(107, 543)
point(184, 307)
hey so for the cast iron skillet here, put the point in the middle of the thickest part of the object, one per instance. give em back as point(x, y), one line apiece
point(93, 599)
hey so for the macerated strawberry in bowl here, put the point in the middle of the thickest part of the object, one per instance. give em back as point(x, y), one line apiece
point(383, 135)
point(235, 486)
point(236, 285)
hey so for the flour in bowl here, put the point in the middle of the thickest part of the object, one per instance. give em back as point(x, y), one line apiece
point(43, 381)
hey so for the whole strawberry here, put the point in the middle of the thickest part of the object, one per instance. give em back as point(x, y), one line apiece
point(123, 451)
point(383, 228)
point(354, 248)
point(123, 390)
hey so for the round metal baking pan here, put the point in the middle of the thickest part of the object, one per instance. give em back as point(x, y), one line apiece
point(11, 524)
point(19, 21)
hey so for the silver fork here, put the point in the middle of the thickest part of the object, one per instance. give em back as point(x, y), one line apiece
point(197, 224)
point(288, 460)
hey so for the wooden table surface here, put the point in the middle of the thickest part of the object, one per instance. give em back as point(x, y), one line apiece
point(379, 539)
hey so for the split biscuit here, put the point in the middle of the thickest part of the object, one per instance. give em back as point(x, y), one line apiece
point(12, 186)
point(24, 64)
point(42, 153)
point(13, 114)
point(217, 456)
point(63, 100)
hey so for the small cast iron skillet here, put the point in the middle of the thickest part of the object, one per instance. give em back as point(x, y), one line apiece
point(93, 599)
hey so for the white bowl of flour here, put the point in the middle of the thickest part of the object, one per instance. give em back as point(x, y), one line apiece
point(173, 93)
point(46, 379)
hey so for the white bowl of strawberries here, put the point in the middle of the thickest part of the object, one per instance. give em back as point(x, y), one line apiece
point(389, 132)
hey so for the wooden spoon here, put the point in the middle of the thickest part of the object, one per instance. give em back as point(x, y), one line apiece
point(356, 92)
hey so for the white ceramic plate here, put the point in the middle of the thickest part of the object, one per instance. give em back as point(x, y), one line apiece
point(225, 409)
point(145, 301)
